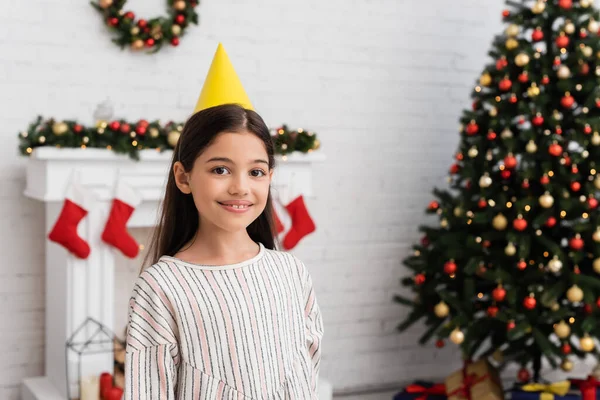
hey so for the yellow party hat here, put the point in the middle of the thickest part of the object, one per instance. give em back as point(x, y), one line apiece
point(222, 85)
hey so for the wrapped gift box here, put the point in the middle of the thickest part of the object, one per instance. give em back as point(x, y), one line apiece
point(589, 388)
point(554, 391)
point(422, 390)
point(476, 381)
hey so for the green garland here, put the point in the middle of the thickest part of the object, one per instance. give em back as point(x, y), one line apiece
point(128, 137)
point(153, 33)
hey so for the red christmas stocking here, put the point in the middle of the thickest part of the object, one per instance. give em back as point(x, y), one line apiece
point(302, 223)
point(74, 209)
point(115, 231)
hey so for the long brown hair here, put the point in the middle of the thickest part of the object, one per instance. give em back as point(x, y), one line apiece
point(178, 221)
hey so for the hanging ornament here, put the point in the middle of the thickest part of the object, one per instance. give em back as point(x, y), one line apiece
point(523, 375)
point(472, 128)
point(482, 203)
point(538, 120)
point(492, 311)
point(597, 182)
point(510, 325)
point(501, 63)
point(520, 224)
point(433, 205)
point(505, 174)
point(531, 147)
point(485, 79)
point(510, 249)
point(593, 26)
point(533, 90)
point(456, 336)
point(523, 77)
point(563, 72)
point(491, 135)
point(596, 265)
point(529, 302)
point(510, 161)
point(566, 348)
point(562, 40)
point(565, 4)
point(173, 138)
point(511, 44)
point(575, 294)
point(551, 221)
point(499, 222)
point(521, 265)
point(575, 186)
point(587, 51)
point(441, 310)
point(585, 3)
point(569, 27)
point(586, 343)
point(444, 223)
point(505, 84)
point(576, 243)
point(521, 59)
point(512, 30)
point(450, 267)
point(525, 184)
point(562, 330)
point(555, 265)
point(493, 112)
point(473, 152)
point(537, 34)
point(546, 200)
point(555, 149)
point(458, 212)
point(485, 180)
point(499, 293)
point(595, 140)
point(60, 128)
point(544, 180)
point(506, 134)
point(538, 7)
point(566, 365)
point(567, 100)
point(545, 80)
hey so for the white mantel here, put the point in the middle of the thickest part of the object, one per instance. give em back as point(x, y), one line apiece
point(77, 289)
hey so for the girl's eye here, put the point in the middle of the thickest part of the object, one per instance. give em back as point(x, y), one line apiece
point(220, 171)
point(257, 173)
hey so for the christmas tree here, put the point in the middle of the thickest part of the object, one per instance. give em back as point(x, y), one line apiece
point(514, 264)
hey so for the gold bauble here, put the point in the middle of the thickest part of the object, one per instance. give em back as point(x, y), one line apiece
point(499, 222)
point(563, 72)
point(441, 310)
point(105, 3)
point(473, 152)
point(566, 365)
point(485, 79)
point(493, 112)
point(176, 30)
point(593, 26)
point(173, 138)
point(179, 5)
point(485, 180)
point(456, 336)
point(506, 133)
point(546, 200)
point(597, 182)
point(134, 30)
point(444, 223)
point(458, 211)
point(510, 249)
point(575, 294)
point(586, 343)
point(587, 51)
point(596, 265)
point(531, 147)
point(512, 30)
point(562, 330)
point(538, 7)
point(316, 144)
point(585, 3)
point(555, 265)
point(595, 139)
point(154, 132)
point(137, 44)
point(521, 59)
point(533, 90)
point(511, 44)
point(59, 128)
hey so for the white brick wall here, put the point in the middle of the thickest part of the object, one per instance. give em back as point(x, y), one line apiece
point(383, 83)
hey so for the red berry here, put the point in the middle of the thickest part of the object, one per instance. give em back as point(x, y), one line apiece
point(544, 180)
point(180, 19)
point(149, 42)
point(114, 21)
point(523, 77)
point(439, 343)
point(587, 129)
point(129, 15)
point(545, 80)
point(505, 13)
point(175, 41)
point(523, 375)
point(78, 128)
point(125, 128)
point(434, 205)
point(454, 169)
point(115, 125)
point(142, 23)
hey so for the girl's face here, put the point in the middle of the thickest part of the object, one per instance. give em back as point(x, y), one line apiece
point(229, 181)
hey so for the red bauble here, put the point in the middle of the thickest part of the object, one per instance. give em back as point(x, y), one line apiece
point(598, 103)
point(439, 343)
point(450, 267)
point(566, 4)
point(140, 130)
point(555, 150)
point(114, 21)
point(520, 224)
point(143, 122)
point(78, 128)
point(523, 77)
point(491, 135)
point(558, 130)
point(556, 61)
point(537, 35)
point(125, 128)
point(180, 19)
point(592, 202)
point(529, 302)
point(499, 294)
point(525, 184)
point(567, 160)
point(576, 243)
point(562, 41)
point(567, 101)
point(545, 80)
point(587, 129)
point(149, 42)
point(129, 15)
point(588, 308)
point(598, 302)
point(513, 99)
point(472, 128)
point(454, 168)
point(482, 203)
point(115, 125)
point(523, 375)
point(142, 23)
point(505, 84)
point(505, 13)
point(175, 41)
point(505, 174)
point(434, 205)
point(538, 120)
point(583, 34)
point(544, 180)
point(492, 311)
point(521, 265)
point(501, 63)
point(419, 279)
point(510, 161)
point(584, 69)
point(510, 325)
point(551, 222)
point(575, 186)
point(566, 348)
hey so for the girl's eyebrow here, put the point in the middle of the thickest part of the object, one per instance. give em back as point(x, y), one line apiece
point(228, 160)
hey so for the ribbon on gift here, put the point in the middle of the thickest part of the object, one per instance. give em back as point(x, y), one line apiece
point(587, 387)
point(469, 380)
point(438, 388)
point(548, 391)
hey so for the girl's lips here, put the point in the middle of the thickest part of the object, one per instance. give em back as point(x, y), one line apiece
point(237, 209)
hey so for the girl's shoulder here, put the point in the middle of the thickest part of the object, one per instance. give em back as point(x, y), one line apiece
point(285, 259)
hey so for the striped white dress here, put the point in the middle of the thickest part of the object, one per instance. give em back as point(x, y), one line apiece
point(250, 330)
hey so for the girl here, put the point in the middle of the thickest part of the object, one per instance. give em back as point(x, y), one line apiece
point(221, 314)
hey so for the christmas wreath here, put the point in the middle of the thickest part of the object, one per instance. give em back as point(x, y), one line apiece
point(130, 137)
point(153, 33)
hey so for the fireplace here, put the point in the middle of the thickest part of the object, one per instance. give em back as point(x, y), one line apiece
point(78, 289)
